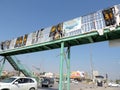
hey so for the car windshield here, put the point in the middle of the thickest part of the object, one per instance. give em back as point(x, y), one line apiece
point(8, 80)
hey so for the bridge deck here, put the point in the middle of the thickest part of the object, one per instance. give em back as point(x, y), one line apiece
point(70, 41)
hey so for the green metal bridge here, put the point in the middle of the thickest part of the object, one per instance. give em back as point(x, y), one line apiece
point(92, 37)
point(89, 32)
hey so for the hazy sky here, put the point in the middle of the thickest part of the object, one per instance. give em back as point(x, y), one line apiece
point(18, 17)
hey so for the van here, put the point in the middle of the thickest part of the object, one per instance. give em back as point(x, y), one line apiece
point(49, 82)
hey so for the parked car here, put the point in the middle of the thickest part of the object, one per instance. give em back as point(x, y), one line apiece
point(49, 82)
point(18, 83)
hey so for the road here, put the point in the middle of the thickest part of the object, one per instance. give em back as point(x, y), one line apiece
point(80, 86)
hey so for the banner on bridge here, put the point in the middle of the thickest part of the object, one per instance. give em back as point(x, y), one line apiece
point(94, 22)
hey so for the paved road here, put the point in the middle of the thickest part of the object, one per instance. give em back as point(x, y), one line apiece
point(80, 86)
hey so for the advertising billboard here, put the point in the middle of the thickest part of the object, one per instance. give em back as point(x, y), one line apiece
point(5, 45)
point(93, 22)
point(56, 31)
point(109, 16)
point(12, 43)
point(72, 27)
point(21, 41)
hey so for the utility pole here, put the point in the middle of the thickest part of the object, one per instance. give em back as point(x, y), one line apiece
point(91, 64)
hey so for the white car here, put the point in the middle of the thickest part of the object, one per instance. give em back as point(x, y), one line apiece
point(74, 81)
point(18, 83)
point(113, 85)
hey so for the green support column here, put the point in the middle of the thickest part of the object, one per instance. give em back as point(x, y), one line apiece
point(61, 66)
point(68, 69)
point(1, 68)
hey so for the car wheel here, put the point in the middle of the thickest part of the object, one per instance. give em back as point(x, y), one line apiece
point(48, 85)
point(32, 89)
point(42, 85)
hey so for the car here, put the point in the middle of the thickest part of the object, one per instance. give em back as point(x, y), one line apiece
point(113, 85)
point(75, 81)
point(18, 83)
point(49, 82)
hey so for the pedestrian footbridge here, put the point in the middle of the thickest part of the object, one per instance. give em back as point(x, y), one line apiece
point(99, 26)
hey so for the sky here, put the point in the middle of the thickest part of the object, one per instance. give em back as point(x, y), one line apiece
point(18, 17)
